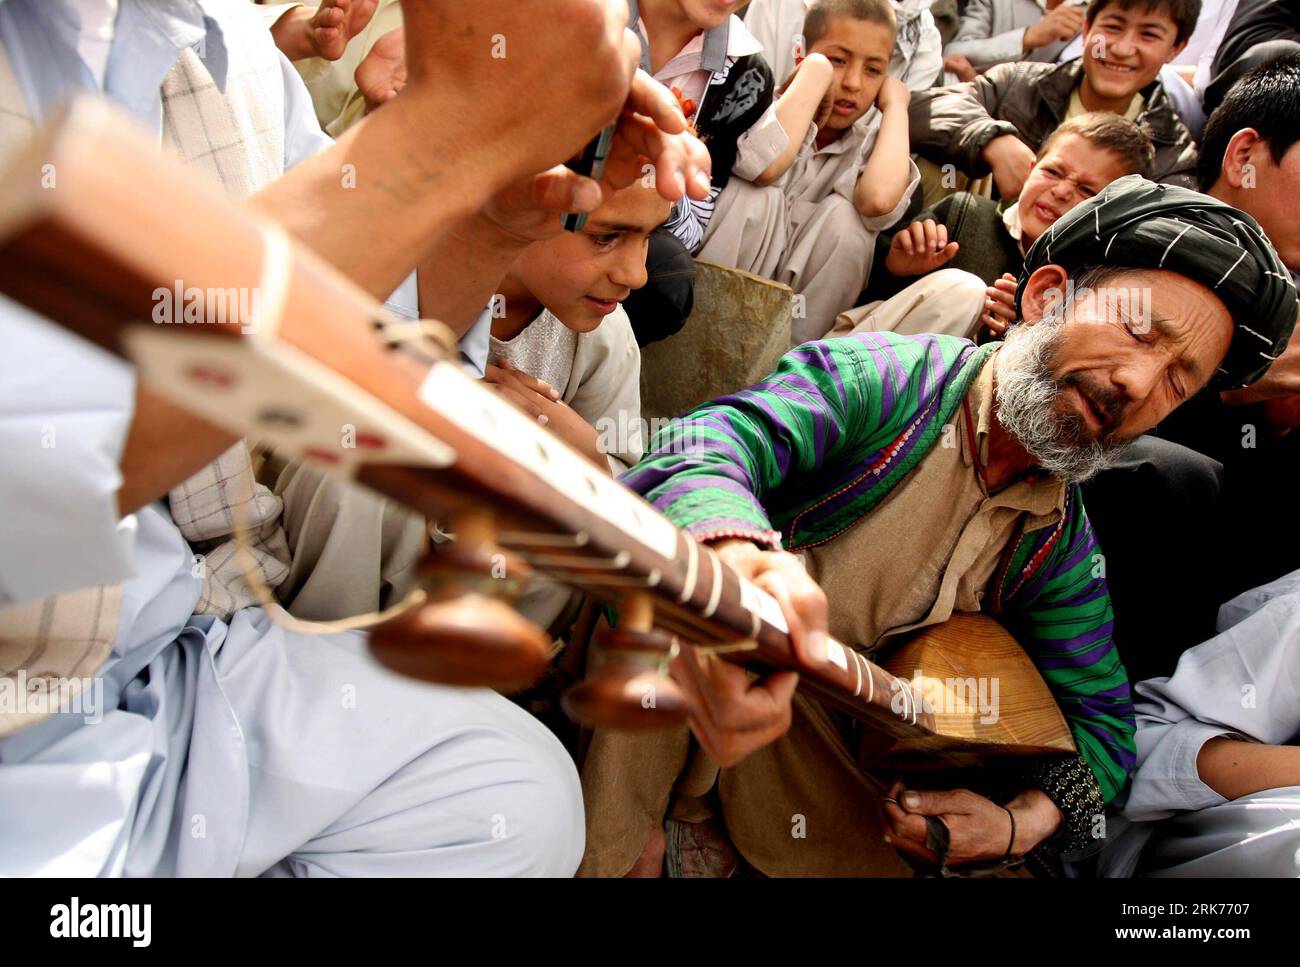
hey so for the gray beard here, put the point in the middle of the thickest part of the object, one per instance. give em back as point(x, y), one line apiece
point(1027, 395)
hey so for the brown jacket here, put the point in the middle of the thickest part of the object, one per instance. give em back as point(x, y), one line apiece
point(1029, 100)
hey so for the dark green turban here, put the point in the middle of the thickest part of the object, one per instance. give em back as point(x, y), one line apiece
point(1134, 223)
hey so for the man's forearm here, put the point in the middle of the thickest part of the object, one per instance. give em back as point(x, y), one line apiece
point(1234, 768)
point(464, 270)
point(376, 203)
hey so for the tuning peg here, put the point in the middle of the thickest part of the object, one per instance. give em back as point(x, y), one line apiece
point(628, 686)
point(466, 633)
point(470, 640)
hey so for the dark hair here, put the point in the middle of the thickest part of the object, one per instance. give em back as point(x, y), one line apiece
point(1266, 99)
point(1184, 13)
point(818, 19)
point(1120, 136)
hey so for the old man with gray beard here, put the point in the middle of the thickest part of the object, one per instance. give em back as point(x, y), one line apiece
point(922, 476)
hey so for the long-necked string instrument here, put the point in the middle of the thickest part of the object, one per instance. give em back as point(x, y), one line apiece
point(261, 337)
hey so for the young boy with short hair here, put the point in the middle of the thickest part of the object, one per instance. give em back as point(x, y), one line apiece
point(998, 121)
point(701, 49)
point(825, 170)
point(917, 60)
point(562, 349)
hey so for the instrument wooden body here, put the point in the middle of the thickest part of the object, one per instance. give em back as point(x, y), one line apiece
point(312, 369)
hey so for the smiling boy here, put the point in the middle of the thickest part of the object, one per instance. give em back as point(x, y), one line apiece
point(564, 325)
point(998, 121)
point(824, 170)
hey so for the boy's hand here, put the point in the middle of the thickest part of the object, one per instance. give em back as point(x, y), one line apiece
point(526, 392)
point(919, 248)
point(381, 75)
point(1060, 24)
point(1010, 160)
point(893, 95)
point(960, 65)
point(336, 22)
point(541, 401)
point(1000, 304)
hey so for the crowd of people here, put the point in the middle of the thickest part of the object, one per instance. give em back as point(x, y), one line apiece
point(1042, 261)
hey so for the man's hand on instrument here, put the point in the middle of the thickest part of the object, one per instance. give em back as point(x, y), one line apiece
point(979, 830)
point(802, 601)
point(731, 714)
point(999, 304)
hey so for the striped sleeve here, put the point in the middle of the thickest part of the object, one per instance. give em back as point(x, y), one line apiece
point(1063, 618)
point(710, 471)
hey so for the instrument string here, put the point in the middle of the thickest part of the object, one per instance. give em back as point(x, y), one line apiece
point(275, 611)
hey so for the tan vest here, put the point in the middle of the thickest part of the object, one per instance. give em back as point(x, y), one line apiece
point(933, 544)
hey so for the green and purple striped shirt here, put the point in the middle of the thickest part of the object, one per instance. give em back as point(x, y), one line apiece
point(800, 457)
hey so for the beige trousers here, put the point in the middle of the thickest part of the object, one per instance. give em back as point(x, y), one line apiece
point(948, 301)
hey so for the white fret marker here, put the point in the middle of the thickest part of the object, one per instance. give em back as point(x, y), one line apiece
point(835, 652)
point(757, 601)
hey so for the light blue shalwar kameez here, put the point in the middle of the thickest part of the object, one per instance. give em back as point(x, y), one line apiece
point(224, 748)
point(1243, 683)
